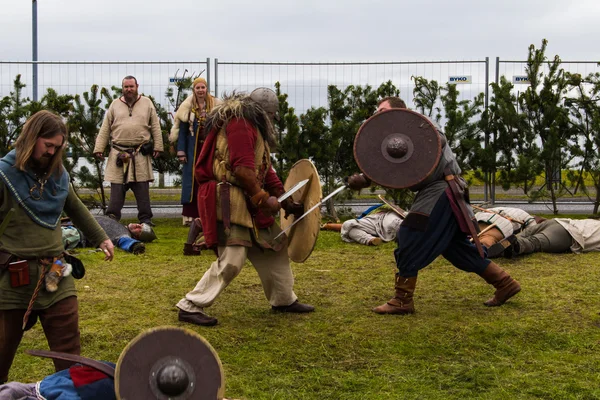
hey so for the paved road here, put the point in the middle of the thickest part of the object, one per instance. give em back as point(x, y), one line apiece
point(565, 207)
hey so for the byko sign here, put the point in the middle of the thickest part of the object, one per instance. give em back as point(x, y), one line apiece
point(521, 80)
point(460, 79)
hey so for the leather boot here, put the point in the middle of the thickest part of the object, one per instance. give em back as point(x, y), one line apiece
point(502, 248)
point(188, 247)
point(402, 302)
point(506, 287)
point(197, 318)
point(295, 307)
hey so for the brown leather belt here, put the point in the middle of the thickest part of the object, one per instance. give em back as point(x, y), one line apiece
point(459, 197)
point(224, 188)
point(132, 151)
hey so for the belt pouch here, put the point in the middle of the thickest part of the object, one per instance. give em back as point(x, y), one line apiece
point(19, 273)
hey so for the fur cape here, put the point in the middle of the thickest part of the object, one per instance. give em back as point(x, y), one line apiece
point(241, 106)
point(184, 112)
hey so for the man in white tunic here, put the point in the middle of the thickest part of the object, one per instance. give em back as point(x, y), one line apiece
point(372, 229)
point(129, 123)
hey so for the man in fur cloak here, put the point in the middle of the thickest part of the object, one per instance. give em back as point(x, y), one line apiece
point(237, 198)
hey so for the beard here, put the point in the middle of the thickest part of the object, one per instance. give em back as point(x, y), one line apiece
point(41, 165)
point(130, 97)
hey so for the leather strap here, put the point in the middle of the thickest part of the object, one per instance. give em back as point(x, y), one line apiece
point(224, 188)
point(459, 197)
point(46, 264)
point(132, 151)
point(100, 366)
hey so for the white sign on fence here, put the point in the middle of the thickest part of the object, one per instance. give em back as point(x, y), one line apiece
point(460, 79)
point(521, 80)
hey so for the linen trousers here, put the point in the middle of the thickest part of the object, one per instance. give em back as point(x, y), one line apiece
point(547, 237)
point(141, 191)
point(273, 268)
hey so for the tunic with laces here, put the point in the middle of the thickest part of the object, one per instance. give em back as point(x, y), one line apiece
point(129, 127)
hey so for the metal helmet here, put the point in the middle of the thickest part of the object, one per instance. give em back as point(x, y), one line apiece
point(147, 235)
point(267, 99)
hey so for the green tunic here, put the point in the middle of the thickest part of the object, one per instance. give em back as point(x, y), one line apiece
point(28, 240)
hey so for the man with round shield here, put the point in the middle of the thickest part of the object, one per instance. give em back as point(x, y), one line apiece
point(414, 154)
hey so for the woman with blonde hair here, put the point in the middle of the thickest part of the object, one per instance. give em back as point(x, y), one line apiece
point(188, 133)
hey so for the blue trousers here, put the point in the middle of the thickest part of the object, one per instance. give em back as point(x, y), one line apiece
point(417, 249)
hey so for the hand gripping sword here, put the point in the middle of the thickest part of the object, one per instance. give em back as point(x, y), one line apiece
point(330, 195)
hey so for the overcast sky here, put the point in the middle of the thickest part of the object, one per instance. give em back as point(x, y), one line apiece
point(309, 30)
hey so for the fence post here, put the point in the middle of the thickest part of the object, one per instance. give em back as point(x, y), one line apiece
point(486, 177)
point(494, 172)
point(216, 77)
point(34, 48)
point(208, 73)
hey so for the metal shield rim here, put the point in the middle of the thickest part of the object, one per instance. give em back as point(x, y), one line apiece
point(143, 335)
point(421, 116)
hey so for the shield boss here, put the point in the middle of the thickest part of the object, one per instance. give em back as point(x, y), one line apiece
point(169, 363)
point(303, 236)
point(397, 148)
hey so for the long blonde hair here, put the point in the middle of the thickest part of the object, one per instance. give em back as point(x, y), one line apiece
point(43, 124)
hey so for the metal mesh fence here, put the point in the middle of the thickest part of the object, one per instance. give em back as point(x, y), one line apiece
point(306, 83)
point(76, 77)
point(514, 71)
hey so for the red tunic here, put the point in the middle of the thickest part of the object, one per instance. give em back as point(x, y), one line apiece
point(241, 141)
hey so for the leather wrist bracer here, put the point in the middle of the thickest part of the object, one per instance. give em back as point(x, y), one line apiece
point(259, 198)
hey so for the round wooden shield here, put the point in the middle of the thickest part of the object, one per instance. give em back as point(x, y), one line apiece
point(302, 237)
point(169, 363)
point(397, 148)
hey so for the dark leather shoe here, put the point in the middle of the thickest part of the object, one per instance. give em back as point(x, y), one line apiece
point(197, 318)
point(295, 307)
point(189, 250)
point(502, 248)
point(513, 248)
point(138, 248)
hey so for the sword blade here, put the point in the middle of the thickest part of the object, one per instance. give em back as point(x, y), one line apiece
point(330, 195)
point(394, 207)
point(100, 366)
point(293, 190)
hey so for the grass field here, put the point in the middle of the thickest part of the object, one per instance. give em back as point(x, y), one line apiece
point(543, 344)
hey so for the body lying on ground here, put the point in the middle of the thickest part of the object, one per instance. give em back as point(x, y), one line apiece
point(559, 235)
point(375, 226)
point(129, 238)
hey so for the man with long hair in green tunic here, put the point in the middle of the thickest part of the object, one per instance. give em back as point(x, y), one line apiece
point(35, 189)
